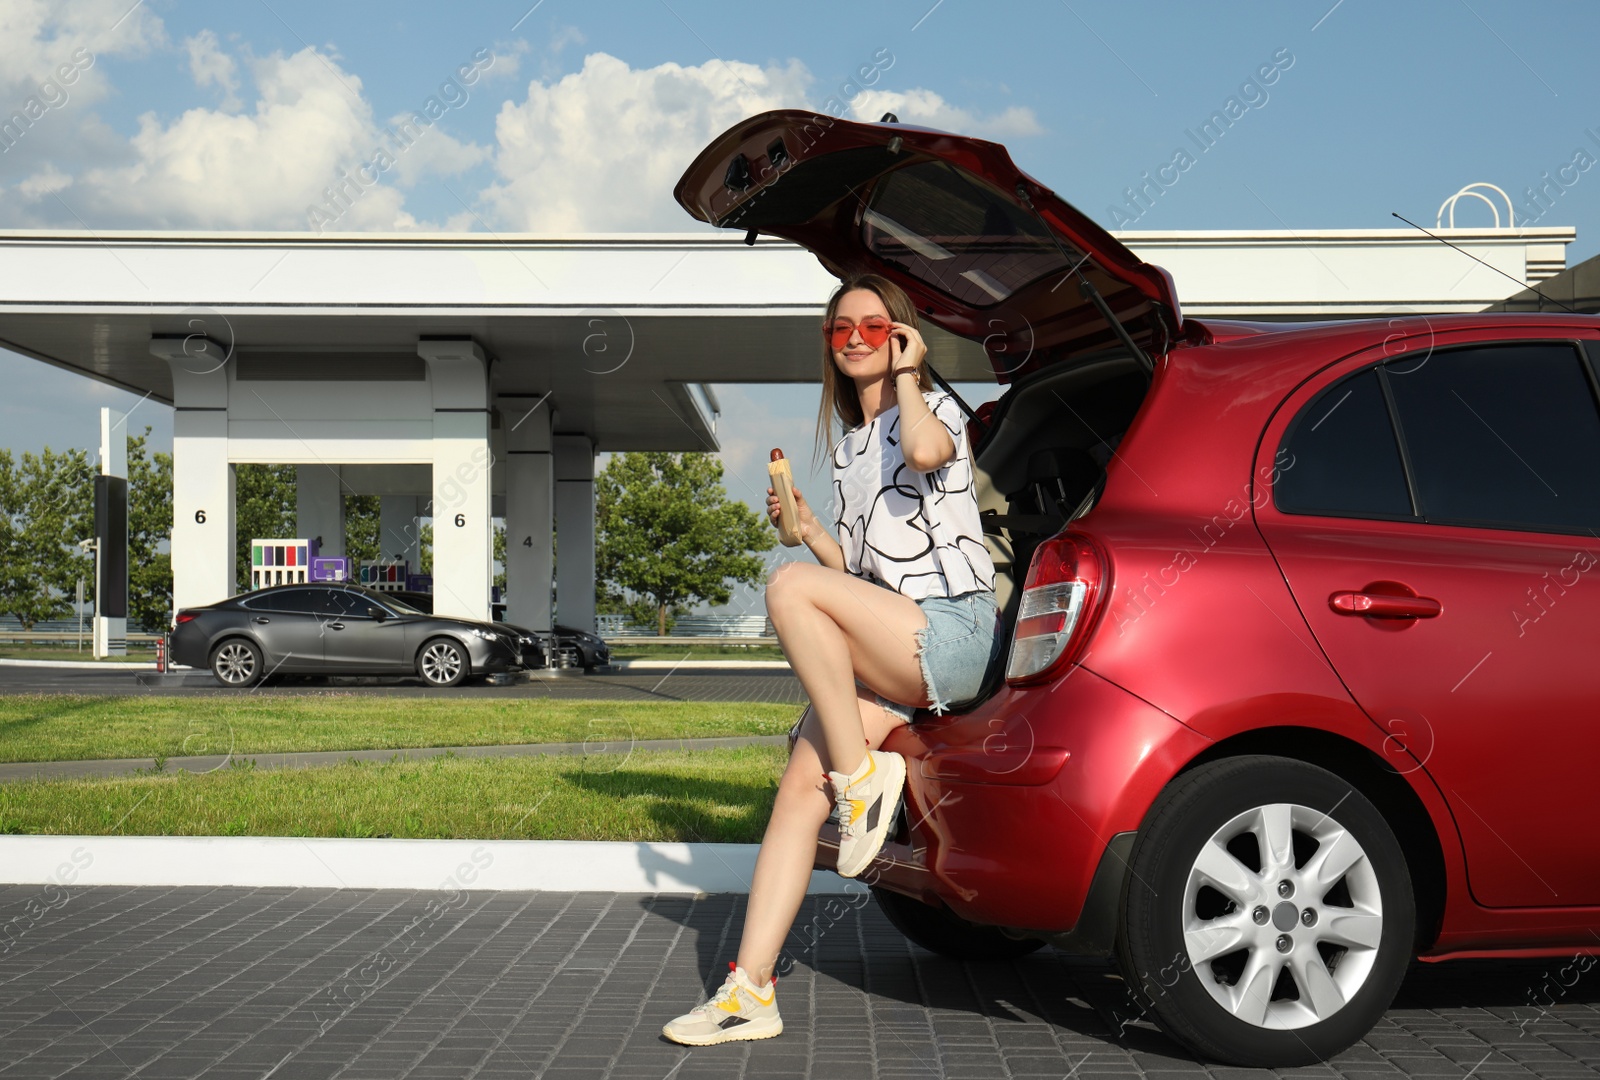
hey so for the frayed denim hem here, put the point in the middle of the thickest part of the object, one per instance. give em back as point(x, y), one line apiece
point(937, 706)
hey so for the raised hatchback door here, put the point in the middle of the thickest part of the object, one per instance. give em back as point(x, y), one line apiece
point(983, 249)
point(1449, 575)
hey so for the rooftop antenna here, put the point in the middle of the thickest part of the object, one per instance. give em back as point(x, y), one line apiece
point(1531, 288)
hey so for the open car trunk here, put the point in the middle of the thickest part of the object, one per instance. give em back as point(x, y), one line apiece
point(985, 251)
point(1067, 315)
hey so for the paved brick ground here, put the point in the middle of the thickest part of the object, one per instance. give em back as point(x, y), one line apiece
point(110, 982)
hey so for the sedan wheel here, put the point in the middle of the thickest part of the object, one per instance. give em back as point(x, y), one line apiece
point(1269, 914)
point(237, 663)
point(442, 663)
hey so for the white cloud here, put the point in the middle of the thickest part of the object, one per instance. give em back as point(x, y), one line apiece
point(266, 168)
point(46, 181)
point(213, 169)
point(51, 76)
point(600, 148)
point(597, 149)
point(210, 66)
point(927, 109)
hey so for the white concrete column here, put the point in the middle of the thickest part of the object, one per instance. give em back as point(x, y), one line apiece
point(530, 510)
point(463, 533)
point(399, 535)
point(574, 469)
point(203, 565)
point(111, 632)
point(319, 507)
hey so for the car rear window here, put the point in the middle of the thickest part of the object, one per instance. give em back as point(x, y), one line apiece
point(1342, 456)
point(1502, 436)
point(303, 601)
point(945, 228)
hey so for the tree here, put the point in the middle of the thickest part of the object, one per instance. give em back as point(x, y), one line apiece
point(149, 524)
point(667, 533)
point(500, 556)
point(362, 523)
point(264, 506)
point(13, 549)
point(425, 549)
point(47, 504)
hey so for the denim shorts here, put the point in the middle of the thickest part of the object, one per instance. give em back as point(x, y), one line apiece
point(955, 649)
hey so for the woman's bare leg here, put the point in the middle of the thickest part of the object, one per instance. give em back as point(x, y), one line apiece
point(789, 846)
point(834, 629)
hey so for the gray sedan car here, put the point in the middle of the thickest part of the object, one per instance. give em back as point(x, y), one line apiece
point(337, 629)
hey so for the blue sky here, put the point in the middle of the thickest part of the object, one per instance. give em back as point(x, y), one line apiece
point(589, 111)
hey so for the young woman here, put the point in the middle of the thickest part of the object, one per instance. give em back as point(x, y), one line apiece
point(899, 614)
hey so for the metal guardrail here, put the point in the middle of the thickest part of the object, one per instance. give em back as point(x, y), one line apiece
point(51, 637)
point(689, 626)
point(622, 643)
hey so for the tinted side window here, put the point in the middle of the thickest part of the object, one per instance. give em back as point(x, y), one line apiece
point(343, 604)
point(1342, 456)
point(1502, 436)
point(295, 600)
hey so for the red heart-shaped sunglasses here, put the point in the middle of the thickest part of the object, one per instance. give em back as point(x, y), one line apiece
point(874, 331)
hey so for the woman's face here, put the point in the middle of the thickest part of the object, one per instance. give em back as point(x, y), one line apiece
point(858, 360)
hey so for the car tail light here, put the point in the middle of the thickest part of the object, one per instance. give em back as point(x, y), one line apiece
point(1059, 605)
point(184, 616)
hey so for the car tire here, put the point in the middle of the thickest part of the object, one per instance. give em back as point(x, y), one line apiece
point(443, 661)
point(1251, 844)
point(237, 663)
point(941, 931)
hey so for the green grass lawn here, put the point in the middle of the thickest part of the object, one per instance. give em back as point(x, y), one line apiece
point(622, 649)
point(70, 727)
point(19, 651)
point(722, 796)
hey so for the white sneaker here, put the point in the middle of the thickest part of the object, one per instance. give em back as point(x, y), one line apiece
point(866, 803)
point(740, 1010)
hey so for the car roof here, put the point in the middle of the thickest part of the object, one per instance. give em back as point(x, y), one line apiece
point(1315, 344)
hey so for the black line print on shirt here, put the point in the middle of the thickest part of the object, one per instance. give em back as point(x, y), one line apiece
point(889, 517)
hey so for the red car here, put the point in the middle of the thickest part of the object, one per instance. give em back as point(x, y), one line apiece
point(1302, 680)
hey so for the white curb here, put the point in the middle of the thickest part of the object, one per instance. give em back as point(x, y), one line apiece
point(327, 863)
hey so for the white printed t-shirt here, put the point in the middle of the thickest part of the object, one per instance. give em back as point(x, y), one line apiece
point(917, 533)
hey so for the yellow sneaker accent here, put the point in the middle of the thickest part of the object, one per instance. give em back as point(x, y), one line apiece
point(736, 1011)
point(866, 808)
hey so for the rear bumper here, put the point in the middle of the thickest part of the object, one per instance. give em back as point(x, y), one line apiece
point(189, 647)
point(1021, 811)
point(899, 869)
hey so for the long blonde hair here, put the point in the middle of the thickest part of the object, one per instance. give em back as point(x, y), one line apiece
point(839, 395)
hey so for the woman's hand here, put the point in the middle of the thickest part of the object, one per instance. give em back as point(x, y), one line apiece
point(807, 526)
point(914, 351)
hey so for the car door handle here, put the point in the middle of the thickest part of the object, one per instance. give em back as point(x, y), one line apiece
point(261, 619)
point(1383, 605)
point(336, 626)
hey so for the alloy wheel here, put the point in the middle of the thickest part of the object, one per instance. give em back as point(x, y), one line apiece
point(441, 662)
point(1282, 916)
point(235, 663)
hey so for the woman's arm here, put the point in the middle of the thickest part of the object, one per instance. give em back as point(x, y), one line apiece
point(925, 446)
point(815, 537)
